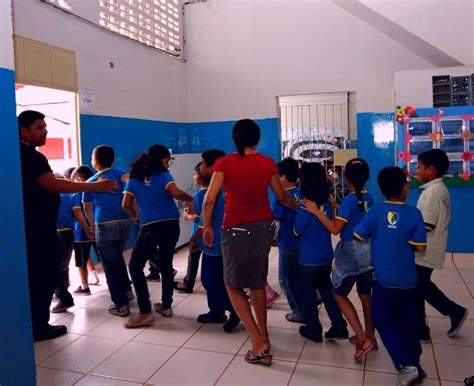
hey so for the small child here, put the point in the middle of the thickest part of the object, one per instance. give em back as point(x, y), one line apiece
point(187, 285)
point(352, 259)
point(153, 189)
point(395, 229)
point(212, 269)
point(112, 228)
point(288, 244)
point(84, 240)
point(315, 258)
point(435, 205)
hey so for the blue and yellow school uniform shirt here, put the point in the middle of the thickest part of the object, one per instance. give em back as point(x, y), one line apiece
point(393, 228)
point(65, 215)
point(314, 238)
point(350, 213)
point(198, 200)
point(217, 220)
point(154, 201)
point(286, 217)
point(107, 206)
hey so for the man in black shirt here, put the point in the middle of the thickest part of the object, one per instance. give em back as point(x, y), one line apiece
point(41, 201)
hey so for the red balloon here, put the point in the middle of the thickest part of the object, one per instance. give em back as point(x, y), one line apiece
point(410, 111)
point(400, 119)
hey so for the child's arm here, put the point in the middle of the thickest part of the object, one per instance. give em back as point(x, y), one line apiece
point(192, 241)
point(128, 207)
point(335, 227)
point(79, 216)
point(363, 232)
point(282, 196)
point(189, 217)
point(89, 214)
point(418, 238)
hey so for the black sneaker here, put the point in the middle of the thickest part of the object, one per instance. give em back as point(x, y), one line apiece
point(232, 322)
point(212, 317)
point(318, 338)
point(457, 321)
point(49, 332)
point(81, 291)
point(153, 277)
point(337, 333)
point(182, 289)
point(62, 307)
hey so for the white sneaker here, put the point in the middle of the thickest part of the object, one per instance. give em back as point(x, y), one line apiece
point(92, 278)
point(407, 376)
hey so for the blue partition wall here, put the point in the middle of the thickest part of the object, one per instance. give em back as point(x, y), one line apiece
point(17, 365)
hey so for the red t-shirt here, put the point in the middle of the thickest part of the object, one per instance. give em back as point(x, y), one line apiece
point(246, 180)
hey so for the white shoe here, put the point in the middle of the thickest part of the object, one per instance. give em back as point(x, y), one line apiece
point(92, 278)
point(407, 375)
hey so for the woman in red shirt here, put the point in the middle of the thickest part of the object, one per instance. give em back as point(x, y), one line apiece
point(248, 229)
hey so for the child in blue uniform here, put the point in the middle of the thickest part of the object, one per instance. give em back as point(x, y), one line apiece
point(395, 230)
point(212, 269)
point(112, 228)
point(352, 262)
point(153, 188)
point(288, 244)
point(187, 285)
point(84, 239)
point(315, 258)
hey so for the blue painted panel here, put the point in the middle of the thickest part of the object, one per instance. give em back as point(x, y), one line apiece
point(17, 365)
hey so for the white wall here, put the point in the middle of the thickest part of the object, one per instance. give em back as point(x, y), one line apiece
point(242, 54)
point(446, 24)
point(143, 83)
point(415, 87)
point(6, 42)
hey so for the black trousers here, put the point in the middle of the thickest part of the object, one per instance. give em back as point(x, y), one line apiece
point(66, 245)
point(427, 290)
point(42, 249)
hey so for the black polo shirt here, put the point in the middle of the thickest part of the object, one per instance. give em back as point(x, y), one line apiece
point(40, 205)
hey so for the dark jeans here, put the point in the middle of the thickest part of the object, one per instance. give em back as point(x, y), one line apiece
point(42, 250)
point(313, 278)
point(164, 236)
point(288, 278)
point(212, 277)
point(393, 312)
point(427, 290)
point(193, 266)
point(66, 245)
point(111, 240)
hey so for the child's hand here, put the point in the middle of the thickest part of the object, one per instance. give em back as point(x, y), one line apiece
point(186, 215)
point(192, 245)
point(309, 206)
point(189, 208)
point(208, 236)
point(91, 233)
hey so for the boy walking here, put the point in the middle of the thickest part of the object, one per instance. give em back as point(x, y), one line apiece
point(395, 230)
point(435, 205)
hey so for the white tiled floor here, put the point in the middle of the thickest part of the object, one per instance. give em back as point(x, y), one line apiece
point(179, 351)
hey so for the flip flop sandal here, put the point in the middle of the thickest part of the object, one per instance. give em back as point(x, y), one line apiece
point(260, 359)
point(362, 349)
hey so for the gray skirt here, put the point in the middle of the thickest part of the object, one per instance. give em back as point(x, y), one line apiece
point(245, 250)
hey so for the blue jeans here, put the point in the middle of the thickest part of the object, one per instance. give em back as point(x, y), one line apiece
point(313, 278)
point(394, 316)
point(161, 235)
point(111, 241)
point(212, 277)
point(288, 278)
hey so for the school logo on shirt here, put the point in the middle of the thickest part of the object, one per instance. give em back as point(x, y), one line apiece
point(147, 182)
point(322, 208)
point(100, 178)
point(392, 218)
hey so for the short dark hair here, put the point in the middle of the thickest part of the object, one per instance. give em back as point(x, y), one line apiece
point(82, 171)
point(28, 117)
point(392, 181)
point(436, 158)
point(288, 167)
point(105, 155)
point(245, 133)
point(68, 172)
point(211, 156)
point(314, 182)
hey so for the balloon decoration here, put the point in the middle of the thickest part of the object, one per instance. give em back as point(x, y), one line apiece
point(466, 156)
point(437, 136)
point(404, 115)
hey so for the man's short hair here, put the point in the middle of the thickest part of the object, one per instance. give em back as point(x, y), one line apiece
point(391, 181)
point(288, 167)
point(105, 155)
point(28, 117)
point(436, 158)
